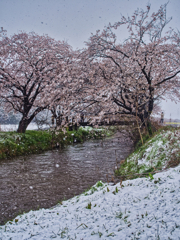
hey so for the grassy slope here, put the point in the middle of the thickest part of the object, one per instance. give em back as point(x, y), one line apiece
point(14, 144)
point(159, 152)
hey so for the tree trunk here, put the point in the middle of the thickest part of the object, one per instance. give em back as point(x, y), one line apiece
point(23, 124)
point(150, 109)
point(149, 127)
point(145, 117)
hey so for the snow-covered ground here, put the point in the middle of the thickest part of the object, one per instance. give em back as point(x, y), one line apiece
point(135, 209)
point(14, 127)
point(155, 153)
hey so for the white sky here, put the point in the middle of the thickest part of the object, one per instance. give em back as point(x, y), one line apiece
point(75, 20)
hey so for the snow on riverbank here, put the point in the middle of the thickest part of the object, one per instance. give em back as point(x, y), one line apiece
point(158, 153)
point(136, 209)
point(14, 127)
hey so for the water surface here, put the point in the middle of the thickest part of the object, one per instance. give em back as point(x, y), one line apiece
point(41, 180)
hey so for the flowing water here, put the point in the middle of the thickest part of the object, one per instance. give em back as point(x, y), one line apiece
point(40, 181)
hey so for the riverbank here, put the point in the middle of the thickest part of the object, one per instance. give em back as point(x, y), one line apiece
point(135, 209)
point(142, 208)
point(160, 151)
point(14, 144)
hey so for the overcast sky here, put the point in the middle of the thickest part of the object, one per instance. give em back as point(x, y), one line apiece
point(75, 20)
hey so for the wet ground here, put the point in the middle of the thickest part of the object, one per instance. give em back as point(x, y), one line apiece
point(43, 180)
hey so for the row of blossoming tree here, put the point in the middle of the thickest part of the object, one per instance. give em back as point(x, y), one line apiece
point(108, 76)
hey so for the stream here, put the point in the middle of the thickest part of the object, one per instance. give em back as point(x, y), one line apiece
point(42, 180)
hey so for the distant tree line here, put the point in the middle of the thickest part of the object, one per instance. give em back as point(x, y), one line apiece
point(10, 119)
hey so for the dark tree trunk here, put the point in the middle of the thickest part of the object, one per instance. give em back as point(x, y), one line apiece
point(150, 109)
point(145, 117)
point(142, 118)
point(23, 124)
point(25, 121)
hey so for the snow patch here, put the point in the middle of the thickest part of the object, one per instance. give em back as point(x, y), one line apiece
point(136, 209)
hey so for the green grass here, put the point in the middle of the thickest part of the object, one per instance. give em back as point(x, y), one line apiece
point(89, 206)
point(14, 144)
point(162, 150)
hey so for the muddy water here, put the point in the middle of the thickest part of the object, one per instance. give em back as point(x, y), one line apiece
point(40, 181)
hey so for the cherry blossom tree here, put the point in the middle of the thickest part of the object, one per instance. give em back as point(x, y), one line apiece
point(32, 74)
point(82, 92)
point(133, 74)
point(2, 33)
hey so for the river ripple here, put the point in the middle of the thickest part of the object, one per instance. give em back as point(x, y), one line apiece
point(40, 181)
